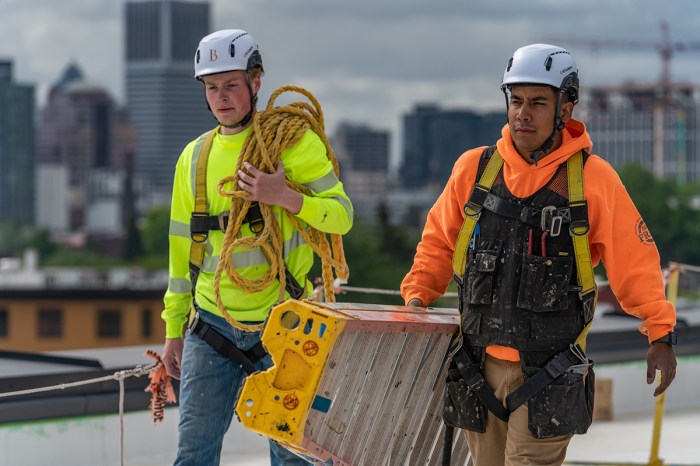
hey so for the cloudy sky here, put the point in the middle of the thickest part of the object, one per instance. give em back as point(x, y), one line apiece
point(372, 60)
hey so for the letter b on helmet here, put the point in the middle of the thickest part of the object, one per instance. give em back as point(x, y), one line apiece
point(226, 50)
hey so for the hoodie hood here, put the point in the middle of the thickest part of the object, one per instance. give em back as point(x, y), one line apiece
point(524, 179)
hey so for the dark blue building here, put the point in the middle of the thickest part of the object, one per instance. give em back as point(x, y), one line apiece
point(17, 154)
point(433, 139)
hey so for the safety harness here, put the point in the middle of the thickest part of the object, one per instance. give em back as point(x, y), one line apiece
point(201, 223)
point(551, 219)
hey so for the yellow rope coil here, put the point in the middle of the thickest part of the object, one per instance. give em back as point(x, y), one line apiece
point(275, 129)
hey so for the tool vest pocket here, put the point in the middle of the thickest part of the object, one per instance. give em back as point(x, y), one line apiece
point(462, 408)
point(544, 283)
point(482, 268)
point(565, 406)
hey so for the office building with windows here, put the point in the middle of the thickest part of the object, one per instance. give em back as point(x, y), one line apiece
point(82, 133)
point(434, 138)
point(17, 152)
point(165, 103)
point(363, 154)
point(646, 125)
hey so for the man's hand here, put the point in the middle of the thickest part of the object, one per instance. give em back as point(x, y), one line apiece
point(415, 302)
point(661, 357)
point(269, 188)
point(172, 357)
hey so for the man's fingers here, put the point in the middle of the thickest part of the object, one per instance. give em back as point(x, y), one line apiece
point(172, 367)
point(667, 376)
point(251, 169)
point(245, 177)
point(651, 373)
point(662, 386)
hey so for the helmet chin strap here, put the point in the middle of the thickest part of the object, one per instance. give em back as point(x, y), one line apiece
point(248, 116)
point(544, 149)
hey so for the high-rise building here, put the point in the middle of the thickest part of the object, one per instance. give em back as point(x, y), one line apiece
point(363, 154)
point(16, 148)
point(86, 136)
point(433, 139)
point(166, 104)
point(647, 125)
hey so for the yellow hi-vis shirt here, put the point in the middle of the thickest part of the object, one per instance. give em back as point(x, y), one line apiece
point(328, 210)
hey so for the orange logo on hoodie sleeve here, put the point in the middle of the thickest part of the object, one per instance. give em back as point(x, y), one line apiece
point(643, 232)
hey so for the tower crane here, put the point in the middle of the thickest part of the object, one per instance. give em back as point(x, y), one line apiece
point(666, 48)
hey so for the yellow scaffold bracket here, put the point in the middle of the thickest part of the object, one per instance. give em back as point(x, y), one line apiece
point(299, 336)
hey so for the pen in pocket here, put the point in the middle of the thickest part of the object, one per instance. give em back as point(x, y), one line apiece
point(474, 243)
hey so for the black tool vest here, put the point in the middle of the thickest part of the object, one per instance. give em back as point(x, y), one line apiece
point(520, 287)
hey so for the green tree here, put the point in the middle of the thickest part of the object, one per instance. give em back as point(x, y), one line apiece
point(13, 238)
point(64, 257)
point(154, 236)
point(379, 255)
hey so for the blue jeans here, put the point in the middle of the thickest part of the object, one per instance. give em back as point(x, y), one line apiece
point(208, 391)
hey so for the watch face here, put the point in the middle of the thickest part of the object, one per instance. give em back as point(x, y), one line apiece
point(673, 338)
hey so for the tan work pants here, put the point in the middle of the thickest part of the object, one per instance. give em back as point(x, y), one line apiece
point(511, 443)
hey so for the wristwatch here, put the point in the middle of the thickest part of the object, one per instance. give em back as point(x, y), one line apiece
point(671, 339)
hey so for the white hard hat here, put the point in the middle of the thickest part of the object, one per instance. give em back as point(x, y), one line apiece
point(543, 64)
point(226, 50)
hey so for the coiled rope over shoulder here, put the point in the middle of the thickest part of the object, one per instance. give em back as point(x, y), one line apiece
point(275, 129)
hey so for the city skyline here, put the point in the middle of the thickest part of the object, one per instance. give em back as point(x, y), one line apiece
point(367, 62)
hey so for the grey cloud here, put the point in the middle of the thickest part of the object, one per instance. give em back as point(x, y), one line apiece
point(369, 59)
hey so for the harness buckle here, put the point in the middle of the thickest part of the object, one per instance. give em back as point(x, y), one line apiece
point(576, 224)
point(193, 323)
point(223, 220)
point(551, 220)
point(199, 237)
point(254, 218)
point(473, 209)
point(579, 225)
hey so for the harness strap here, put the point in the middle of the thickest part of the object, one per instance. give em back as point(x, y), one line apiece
point(553, 369)
point(201, 209)
point(472, 210)
point(476, 383)
point(532, 216)
point(579, 228)
point(245, 359)
point(291, 285)
point(205, 224)
point(544, 376)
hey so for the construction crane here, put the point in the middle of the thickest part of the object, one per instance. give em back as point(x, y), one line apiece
point(665, 48)
point(663, 99)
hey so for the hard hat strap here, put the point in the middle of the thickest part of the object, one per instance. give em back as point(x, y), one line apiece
point(557, 127)
point(253, 101)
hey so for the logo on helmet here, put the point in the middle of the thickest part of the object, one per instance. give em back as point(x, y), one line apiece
point(565, 70)
point(212, 55)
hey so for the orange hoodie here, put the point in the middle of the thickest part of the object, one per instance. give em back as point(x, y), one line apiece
point(618, 234)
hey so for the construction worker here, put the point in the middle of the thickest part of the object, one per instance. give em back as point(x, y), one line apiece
point(516, 230)
point(229, 65)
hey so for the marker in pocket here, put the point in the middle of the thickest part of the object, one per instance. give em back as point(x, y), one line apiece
point(474, 243)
